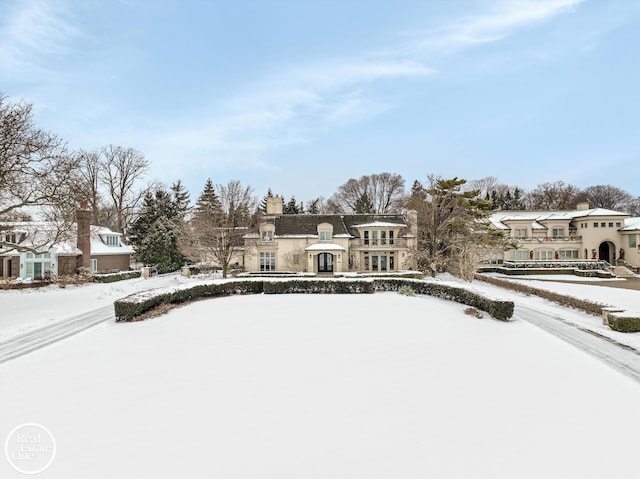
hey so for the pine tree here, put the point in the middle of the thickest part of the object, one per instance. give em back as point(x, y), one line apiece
point(181, 198)
point(292, 207)
point(263, 203)
point(208, 204)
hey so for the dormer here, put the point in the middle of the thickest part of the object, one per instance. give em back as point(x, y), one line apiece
point(267, 232)
point(325, 231)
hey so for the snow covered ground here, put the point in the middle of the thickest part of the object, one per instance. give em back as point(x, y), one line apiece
point(307, 386)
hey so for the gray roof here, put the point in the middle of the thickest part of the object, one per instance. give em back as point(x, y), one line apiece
point(306, 224)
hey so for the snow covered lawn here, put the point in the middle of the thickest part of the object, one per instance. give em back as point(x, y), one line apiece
point(319, 386)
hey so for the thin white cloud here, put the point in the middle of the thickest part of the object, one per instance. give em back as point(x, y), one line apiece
point(32, 32)
point(493, 26)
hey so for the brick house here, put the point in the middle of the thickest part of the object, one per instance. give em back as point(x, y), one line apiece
point(93, 247)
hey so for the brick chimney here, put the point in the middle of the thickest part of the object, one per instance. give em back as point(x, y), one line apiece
point(83, 216)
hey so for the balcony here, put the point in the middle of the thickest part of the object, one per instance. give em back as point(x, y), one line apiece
point(549, 239)
point(378, 244)
point(267, 244)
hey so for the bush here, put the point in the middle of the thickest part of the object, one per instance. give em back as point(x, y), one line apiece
point(319, 286)
point(111, 278)
point(624, 324)
point(502, 310)
point(406, 291)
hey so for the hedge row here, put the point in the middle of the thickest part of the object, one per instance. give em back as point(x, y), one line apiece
point(624, 324)
point(131, 307)
point(318, 286)
point(502, 310)
point(112, 278)
point(582, 304)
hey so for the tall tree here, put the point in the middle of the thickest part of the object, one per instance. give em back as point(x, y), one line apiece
point(378, 193)
point(292, 207)
point(35, 176)
point(453, 227)
point(221, 220)
point(124, 168)
point(552, 196)
point(156, 231)
point(608, 197)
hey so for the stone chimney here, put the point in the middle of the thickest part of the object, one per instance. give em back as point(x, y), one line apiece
point(412, 222)
point(274, 205)
point(83, 216)
point(582, 206)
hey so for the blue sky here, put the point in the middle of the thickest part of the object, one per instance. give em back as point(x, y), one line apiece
point(300, 96)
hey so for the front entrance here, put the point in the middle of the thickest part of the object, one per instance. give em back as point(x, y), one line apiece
point(606, 252)
point(325, 263)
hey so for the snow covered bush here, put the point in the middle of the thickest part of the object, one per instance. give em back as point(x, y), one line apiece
point(319, 286)
point(406, 291)
point(624, 324)
point(112, 278)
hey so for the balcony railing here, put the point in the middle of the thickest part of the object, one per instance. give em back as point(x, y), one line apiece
point(379, 243)
point(547, 239)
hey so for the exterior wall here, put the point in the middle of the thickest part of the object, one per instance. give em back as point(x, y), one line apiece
point(67, 265)
point(112, 262)
point(9, 266)
point(593, 237)
point(631, 254)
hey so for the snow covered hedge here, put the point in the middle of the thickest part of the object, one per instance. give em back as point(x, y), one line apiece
point(131, 307)
point(624, 324)
point(112, 278)
point(502, 310)
point(319, 286)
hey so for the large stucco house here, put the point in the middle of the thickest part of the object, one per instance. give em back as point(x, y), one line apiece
point(583, 234)
point(330, 243)
point(85, 246)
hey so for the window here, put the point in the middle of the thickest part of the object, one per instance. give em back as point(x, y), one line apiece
point(94, 265)
point(568, 254)
point(618, 224)
point(633, 243)
point(113, 240)
point(366, 261)
point(391, 239)
point(603, 225)
point(383, 238)
point(557, 232)
point(325, 235)
point(268, 261)
point(595, 225)
point(521, 232)
point(543, 255)
point(267, 235)
point(366, 238)
point(611, 224)
point(374, 238)
point(295, 259)
point(518, 254)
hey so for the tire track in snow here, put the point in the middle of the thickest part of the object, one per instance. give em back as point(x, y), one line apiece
point(33, 340)
point(621, 357)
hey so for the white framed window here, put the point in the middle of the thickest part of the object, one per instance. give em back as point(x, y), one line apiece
point(267, 235)
point(568, 254)
point(325, 235)
point(113, 240)
point(633, 242)
point(94, 265)
point(374, 238)
point(557, 232)
point(521, 232)
point(268, 261)
point(543, 255)
point(518, 254)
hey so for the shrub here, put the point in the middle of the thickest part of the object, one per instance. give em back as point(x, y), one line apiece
point(624, 324)
point(406, 291)
point(111, 278)
point(319, 286)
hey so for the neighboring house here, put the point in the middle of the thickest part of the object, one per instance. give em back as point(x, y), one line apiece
point(93, 247)
point(583, 234)
point(331, 243)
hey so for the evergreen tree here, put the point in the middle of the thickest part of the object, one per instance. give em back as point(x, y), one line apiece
point(263, 203)
point(292, 207)
point(181, 198)
point(208, 203)
point(155, 232)
point(314, 209)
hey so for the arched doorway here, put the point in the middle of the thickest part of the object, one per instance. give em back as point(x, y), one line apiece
point(325, 263)
point(607, 252)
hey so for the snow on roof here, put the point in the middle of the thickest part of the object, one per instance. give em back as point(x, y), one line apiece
point(324, 247)
point(537, 217)
point(631, 224)
point(380, 224)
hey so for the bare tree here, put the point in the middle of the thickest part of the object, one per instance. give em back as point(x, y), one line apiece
point(378, 193)
point(222, 218)
point(552, 196)
point(124, 168)
point(35, 173)
point(609, 197)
